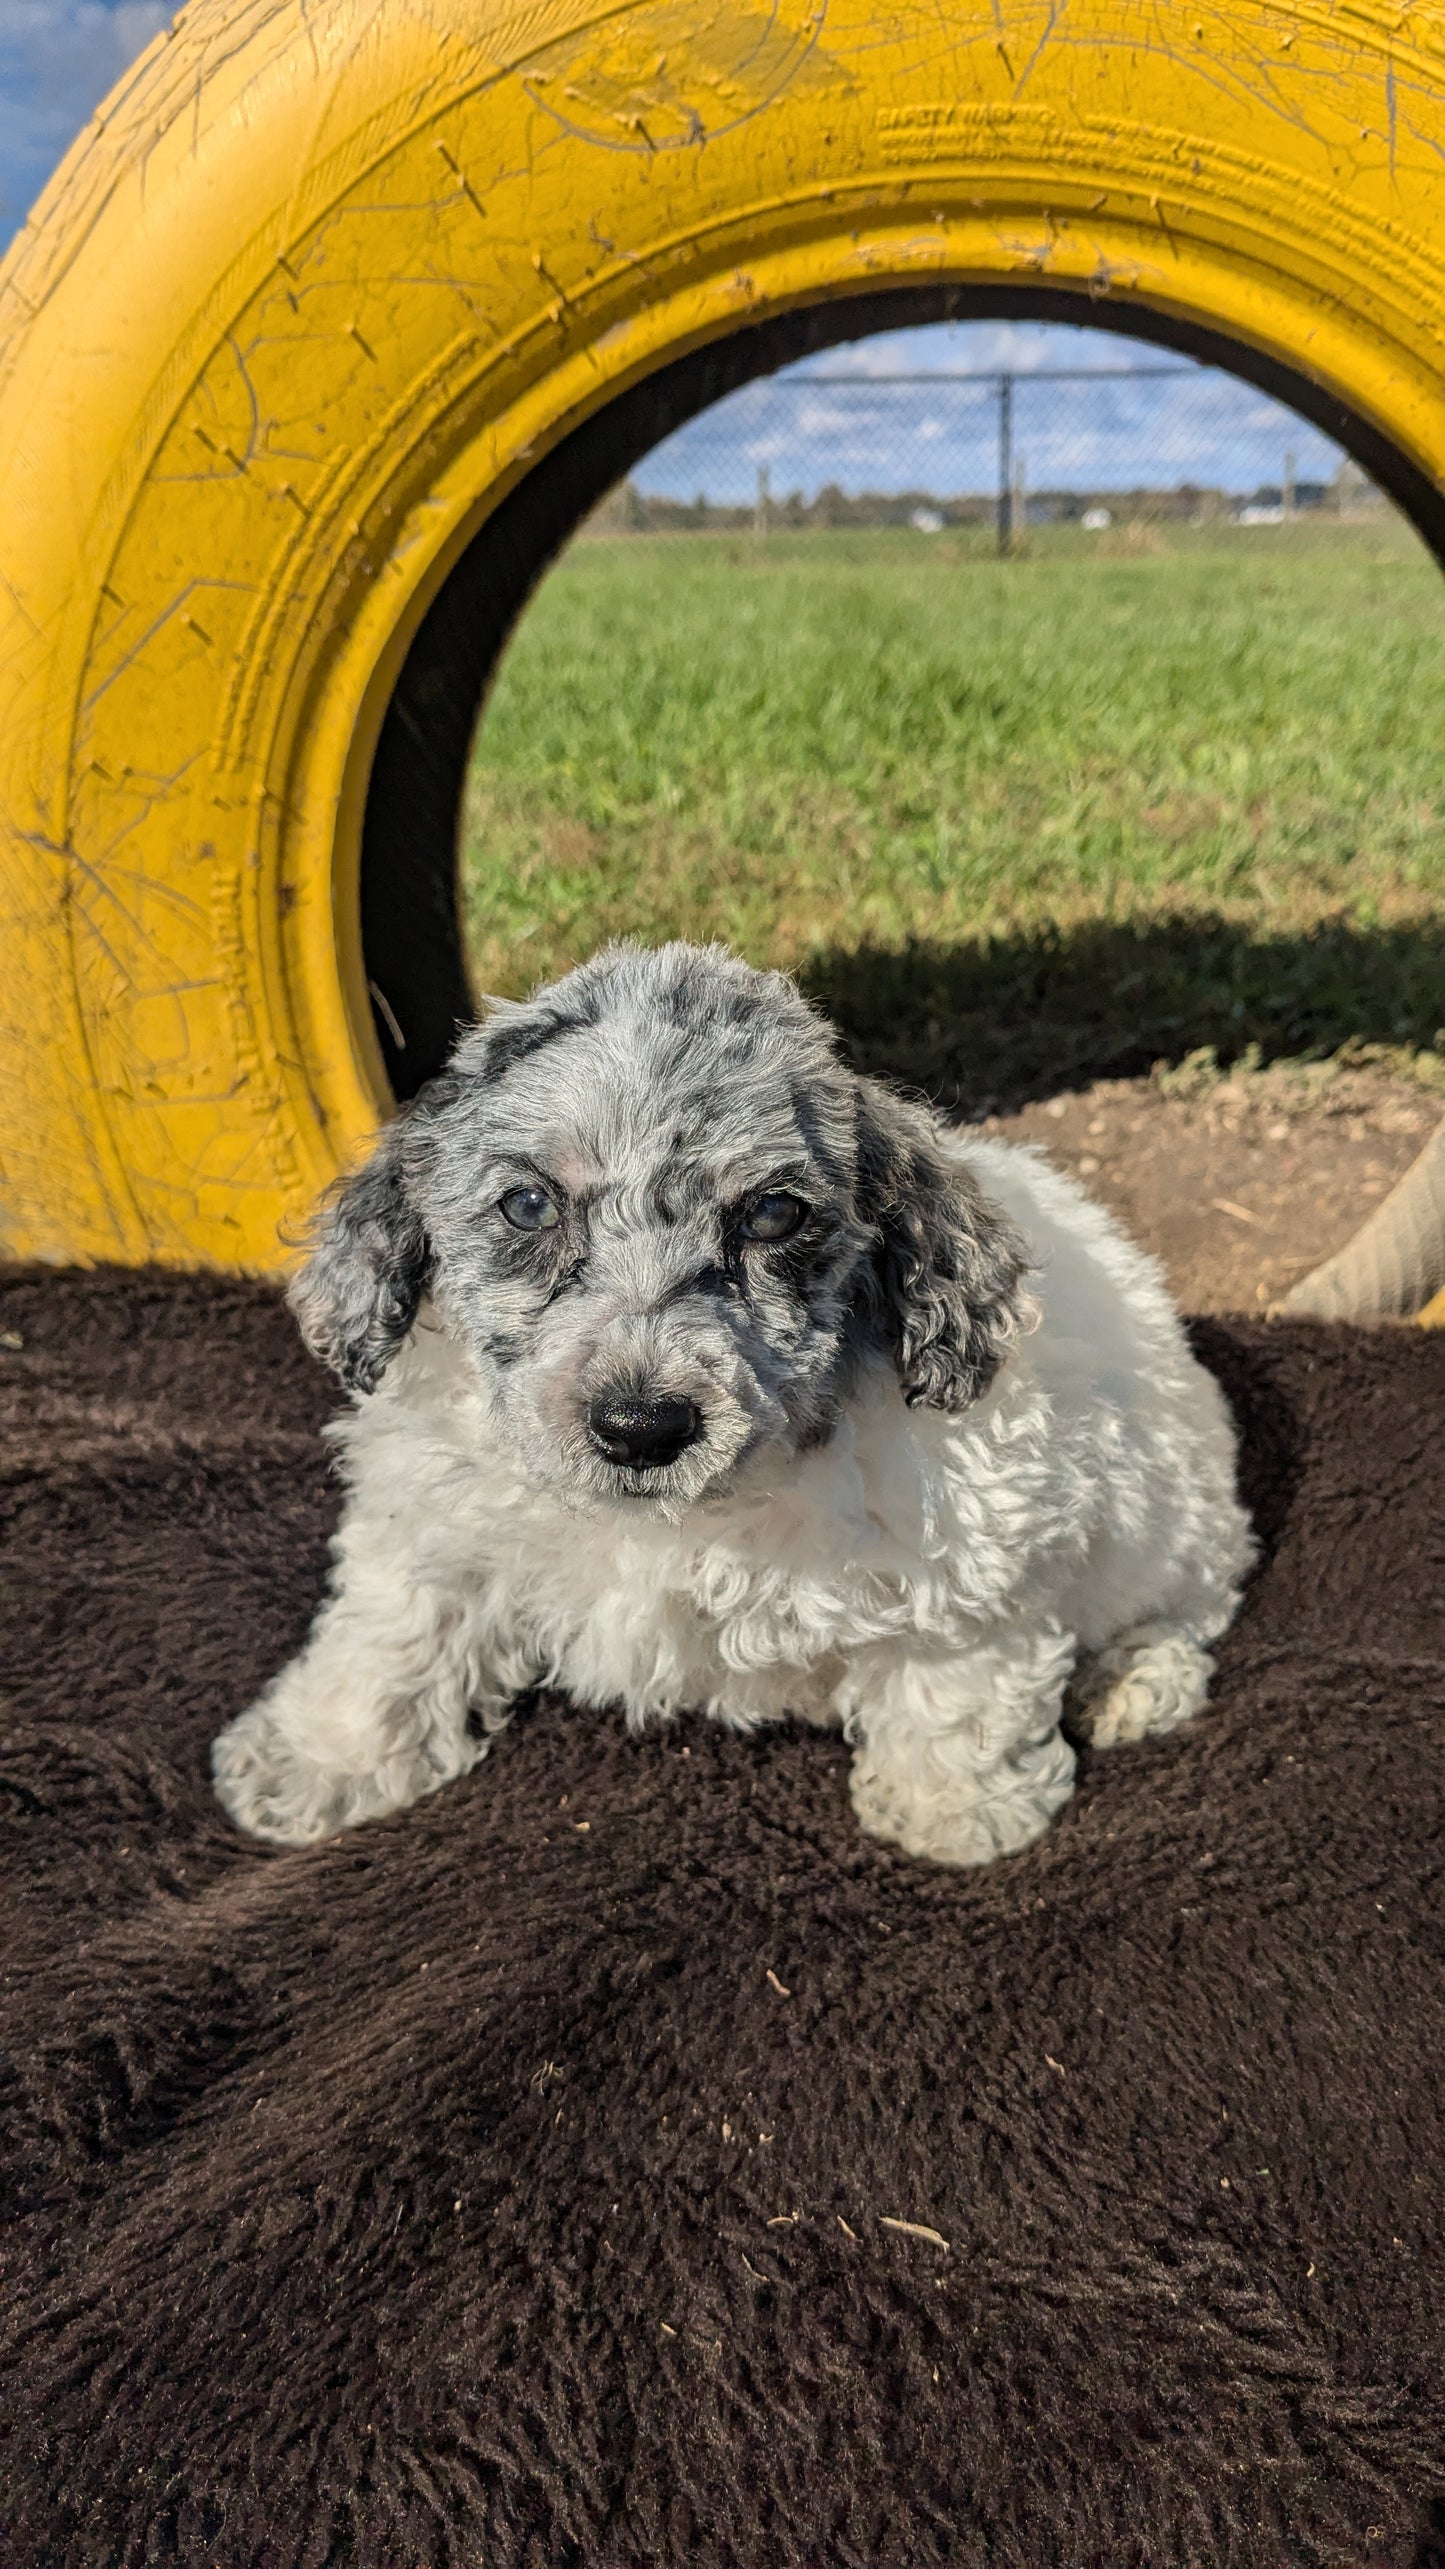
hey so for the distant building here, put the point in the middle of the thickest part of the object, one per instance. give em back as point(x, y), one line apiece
point(1270, 505)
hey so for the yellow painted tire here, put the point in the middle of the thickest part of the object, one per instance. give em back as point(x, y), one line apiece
point(326, 291)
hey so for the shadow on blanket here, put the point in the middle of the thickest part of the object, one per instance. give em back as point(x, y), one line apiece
point(467, 2195)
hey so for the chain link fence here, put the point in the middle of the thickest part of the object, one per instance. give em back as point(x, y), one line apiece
point(998, 451)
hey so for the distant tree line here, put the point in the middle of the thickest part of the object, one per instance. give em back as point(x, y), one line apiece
point(626, 510)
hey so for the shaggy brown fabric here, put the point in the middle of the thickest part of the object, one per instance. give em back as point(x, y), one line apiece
point(529, 2180)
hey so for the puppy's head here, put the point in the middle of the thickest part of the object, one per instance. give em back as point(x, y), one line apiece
point(668, 1226)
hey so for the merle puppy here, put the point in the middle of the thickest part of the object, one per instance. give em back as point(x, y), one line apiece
point(690, 1370)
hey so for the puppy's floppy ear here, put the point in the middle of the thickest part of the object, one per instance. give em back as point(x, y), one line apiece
point(946, 1286)
point(357, 1295)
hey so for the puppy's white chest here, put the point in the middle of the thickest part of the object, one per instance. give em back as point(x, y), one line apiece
point(747, 1608)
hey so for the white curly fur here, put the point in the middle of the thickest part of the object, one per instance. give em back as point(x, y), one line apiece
point(931, 1579)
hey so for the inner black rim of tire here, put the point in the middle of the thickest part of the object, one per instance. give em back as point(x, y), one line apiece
point(411, 930)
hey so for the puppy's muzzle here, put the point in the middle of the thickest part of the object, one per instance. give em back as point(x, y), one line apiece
point(643, 1435)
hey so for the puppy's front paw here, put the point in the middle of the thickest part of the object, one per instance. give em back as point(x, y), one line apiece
point(961, 1819)
point(1138, 1689)
point(271, 1790)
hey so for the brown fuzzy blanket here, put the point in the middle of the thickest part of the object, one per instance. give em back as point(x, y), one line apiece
point(618, 2162)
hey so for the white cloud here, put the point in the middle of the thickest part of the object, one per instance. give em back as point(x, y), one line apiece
point(58, 58)
point(993, 347)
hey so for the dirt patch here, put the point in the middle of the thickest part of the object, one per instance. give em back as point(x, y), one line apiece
point(1239, 1184)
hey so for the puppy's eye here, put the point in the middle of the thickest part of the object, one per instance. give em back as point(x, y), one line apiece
point(774, 1217)
point(529, 1208)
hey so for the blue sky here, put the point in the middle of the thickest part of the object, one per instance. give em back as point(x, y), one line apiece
point(57, 60)
point(1162, 423)
point(59, 57)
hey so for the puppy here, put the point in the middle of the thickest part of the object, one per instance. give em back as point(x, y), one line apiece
point(691, 1370)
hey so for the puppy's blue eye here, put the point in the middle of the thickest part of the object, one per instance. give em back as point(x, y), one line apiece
point(774, 1217)
point(529, 1208)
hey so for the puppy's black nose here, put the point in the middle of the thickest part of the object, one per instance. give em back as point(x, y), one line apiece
point(643, 1433)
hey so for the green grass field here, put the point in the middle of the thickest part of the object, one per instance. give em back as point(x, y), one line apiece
point(1016, 823)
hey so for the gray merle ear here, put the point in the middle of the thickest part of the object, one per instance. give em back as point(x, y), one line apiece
point(945, 1292)
point(357, 1295)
